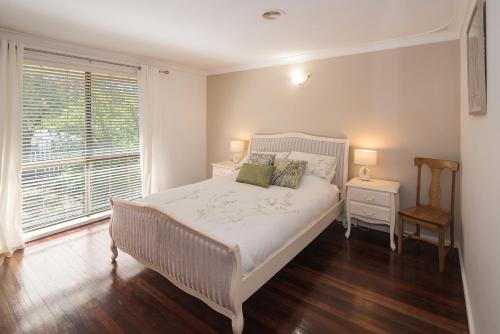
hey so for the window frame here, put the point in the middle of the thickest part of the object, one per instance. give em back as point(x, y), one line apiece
point(87, 159)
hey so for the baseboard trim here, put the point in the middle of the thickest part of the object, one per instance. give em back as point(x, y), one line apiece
point(385, 228)
point(470, 320)
point(50, 230)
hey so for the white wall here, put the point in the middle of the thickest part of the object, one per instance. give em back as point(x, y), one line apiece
point(480, 140)
point(182, 130)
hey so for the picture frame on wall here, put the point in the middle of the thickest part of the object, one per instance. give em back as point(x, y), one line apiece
point(476, 59)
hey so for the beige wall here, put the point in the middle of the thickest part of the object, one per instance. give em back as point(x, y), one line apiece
point(180, 133)
point(480, 140)
point(402, 102)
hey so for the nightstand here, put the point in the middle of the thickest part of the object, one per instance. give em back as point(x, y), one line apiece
point(374, 201)
point(224, 168)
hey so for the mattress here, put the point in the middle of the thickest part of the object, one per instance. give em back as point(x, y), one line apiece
point(260, 221)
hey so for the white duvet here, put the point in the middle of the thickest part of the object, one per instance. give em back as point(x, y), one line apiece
point(258, 220)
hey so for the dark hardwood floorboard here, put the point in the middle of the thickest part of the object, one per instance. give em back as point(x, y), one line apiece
point(67, 284)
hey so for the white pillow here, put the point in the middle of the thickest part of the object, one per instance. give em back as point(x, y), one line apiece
point(318, 165)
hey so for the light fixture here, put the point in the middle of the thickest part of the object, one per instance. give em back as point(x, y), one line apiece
point(273, 14)
point(299, 77)
point(365, 158)
point(237, 147)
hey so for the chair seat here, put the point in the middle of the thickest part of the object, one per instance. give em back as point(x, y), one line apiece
point(428, 215)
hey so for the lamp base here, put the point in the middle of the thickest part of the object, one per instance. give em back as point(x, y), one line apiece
point(365, 173)
point(236, 157)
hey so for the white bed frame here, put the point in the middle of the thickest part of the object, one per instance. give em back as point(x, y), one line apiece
point(215, 274)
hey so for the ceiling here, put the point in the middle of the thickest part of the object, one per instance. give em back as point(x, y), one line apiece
point(224, 35)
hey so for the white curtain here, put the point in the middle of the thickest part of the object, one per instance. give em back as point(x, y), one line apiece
point(11, 71)
point(150, 127)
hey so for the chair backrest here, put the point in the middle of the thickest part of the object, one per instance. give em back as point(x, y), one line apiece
point(436, 167)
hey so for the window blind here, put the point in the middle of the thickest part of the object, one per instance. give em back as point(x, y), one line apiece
point(80, 144)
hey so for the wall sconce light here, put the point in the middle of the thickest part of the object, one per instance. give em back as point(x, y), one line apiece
point(299, 77)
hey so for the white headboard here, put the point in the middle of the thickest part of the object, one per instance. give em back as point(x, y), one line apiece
point(286, 142)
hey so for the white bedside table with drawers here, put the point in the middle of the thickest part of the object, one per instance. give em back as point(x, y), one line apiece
point(224, 168)
point(374, 201)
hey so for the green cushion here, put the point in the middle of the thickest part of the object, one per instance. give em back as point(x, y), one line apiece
point(256, 175)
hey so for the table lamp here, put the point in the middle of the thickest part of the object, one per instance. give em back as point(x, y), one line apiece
point(365, 158)
point(237, 147)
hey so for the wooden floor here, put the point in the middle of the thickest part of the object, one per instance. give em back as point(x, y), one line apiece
point(66, 283)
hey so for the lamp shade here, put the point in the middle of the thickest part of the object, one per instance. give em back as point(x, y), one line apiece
point(365, 157)
point(237, 146)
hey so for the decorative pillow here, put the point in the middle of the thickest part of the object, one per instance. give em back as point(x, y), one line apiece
point(318, 165)
point(256, 175)
point(278, 155)
point(288, 172)
point(263, 159)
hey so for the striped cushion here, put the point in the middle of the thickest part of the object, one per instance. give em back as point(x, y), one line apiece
point(288, 173)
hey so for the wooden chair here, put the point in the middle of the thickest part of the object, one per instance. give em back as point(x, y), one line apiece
point(431, 215)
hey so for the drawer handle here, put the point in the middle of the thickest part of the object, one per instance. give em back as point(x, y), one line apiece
point(369, 199)
point(369, 214)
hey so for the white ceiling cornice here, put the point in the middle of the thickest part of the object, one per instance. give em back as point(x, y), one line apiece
point(47, 44)
point(435, 37)
point(469, 6)
point(460, 10)
point(448, 32)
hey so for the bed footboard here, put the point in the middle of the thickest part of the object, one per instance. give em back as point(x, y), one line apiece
point(194, 262)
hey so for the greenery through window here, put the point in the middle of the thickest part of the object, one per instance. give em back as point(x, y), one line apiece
point(80, 144)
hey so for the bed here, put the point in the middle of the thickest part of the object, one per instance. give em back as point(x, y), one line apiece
point(220, 240)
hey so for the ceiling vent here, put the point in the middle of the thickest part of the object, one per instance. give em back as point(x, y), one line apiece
point(273, 14)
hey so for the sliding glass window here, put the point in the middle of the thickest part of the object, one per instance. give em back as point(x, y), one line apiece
point(80, 142)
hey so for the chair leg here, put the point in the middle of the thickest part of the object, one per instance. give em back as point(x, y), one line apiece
point(401, 229)
point(452, 236)
point(441, 249)
point(417, 232)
